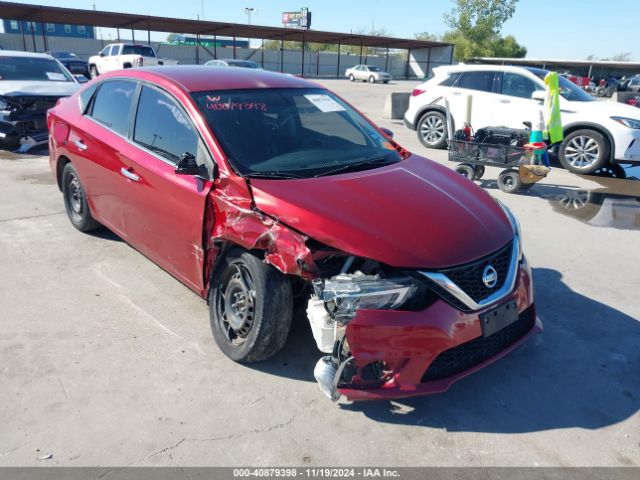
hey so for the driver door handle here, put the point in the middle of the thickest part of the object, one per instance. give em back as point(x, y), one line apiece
point(129, 174)
point(80, 144)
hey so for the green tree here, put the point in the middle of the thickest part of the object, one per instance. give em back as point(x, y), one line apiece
point(426, 36)
point(475, 29)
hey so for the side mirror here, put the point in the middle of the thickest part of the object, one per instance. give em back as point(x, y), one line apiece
point(539, 95)
point(101, 54)
point(187, 165)
point(81, 78)
point(387, 131)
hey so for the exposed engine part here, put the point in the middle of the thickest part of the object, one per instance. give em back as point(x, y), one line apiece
point(347, 264)
point(327, 373)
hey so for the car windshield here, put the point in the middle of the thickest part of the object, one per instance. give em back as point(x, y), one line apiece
point(569, 90)
point(243, 64)
point(63, 55)
point(138, 50)
point(285, 133)
point(374, 69)
point(32, 68)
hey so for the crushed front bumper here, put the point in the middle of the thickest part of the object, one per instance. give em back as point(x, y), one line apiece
point(428, 351)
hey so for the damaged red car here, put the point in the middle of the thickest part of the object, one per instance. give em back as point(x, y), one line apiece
point(259, 190)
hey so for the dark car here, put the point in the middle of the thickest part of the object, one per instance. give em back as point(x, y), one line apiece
point(74, 64)
point(259, 190)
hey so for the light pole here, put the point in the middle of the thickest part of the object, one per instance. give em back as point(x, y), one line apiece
point(248, 11)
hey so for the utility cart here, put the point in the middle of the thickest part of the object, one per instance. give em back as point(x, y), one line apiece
point(519, 163)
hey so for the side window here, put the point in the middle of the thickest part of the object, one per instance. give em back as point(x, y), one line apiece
point(105, 51)
point(450, 80)
point(85, 97)
point(112, 105)
point(516, 85)
point(482, 81)
point(163, 127)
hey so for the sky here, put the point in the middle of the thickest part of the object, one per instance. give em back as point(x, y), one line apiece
point(561, 29)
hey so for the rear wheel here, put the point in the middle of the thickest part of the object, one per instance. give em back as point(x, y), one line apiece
point(75, 200)
point(584, 151)
point(479, 172)
point(250, 308)
point(351, 77)
point(432, 131)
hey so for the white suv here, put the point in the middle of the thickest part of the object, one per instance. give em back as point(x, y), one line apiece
point(597, 133)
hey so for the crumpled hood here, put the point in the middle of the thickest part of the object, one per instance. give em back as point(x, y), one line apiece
point(48, 88)
point(415, 214)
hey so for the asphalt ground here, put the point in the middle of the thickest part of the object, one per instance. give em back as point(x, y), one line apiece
point(106, 360)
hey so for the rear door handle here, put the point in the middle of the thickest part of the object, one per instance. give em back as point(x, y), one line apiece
point(80, 145)
point(129, 174)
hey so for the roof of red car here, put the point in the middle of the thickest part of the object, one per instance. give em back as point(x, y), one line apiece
point(196, 78)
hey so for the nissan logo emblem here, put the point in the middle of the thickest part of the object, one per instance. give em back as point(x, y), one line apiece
point(489, 276)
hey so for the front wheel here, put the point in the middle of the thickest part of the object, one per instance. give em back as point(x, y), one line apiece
point(466, 171)
point(584, 151)
point(372, 79)
point(432, 131)
point(93, 71)
point(509, 181)
point(250, 308)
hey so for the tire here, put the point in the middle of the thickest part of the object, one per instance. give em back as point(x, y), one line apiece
point(93, 71)
point(372, 79)
point(352, 78)
point(466, 171)
point(257, 328)
point(611, 170)
point(584, 151)
point(432, 129)
point(479, 172)
point(509, 181)
point(75, 201)
point(385, 81)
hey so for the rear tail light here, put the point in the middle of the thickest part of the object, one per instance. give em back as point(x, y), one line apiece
point(417, 91)
point(140, 62)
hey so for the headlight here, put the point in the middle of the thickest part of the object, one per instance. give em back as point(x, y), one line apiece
point(3, 104)
point(345, 293)
point(627, 122)
point(515, 224)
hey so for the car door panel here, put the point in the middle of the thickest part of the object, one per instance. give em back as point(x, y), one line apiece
point(164, 211)
point(513, 104)
point(479, 86)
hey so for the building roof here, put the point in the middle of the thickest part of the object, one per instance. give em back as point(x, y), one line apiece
point(41, 13)
point(557, 62)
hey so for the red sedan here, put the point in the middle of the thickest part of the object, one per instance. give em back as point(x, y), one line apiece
point(258, 190)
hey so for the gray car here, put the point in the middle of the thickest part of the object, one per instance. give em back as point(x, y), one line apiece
point(232, 62)
point(367, 73)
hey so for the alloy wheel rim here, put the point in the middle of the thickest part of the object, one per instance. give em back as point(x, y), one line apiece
point(236, 304)
point(582, 152)
point(432, 129)
point(575, 199)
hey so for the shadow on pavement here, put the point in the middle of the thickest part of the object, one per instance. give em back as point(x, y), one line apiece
point(583, 371)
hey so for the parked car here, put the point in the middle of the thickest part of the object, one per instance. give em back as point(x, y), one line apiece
point(231, 62)
point(367, 73)
point(256, 190)
point(634, 84)
point(72, 62)
point(117, 56)
point(596, 133)
point(30, 84)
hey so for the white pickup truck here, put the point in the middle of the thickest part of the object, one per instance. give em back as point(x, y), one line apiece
point(116, 56)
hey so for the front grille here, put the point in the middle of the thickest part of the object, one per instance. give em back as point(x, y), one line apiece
point(469, 354)
point(469, 277)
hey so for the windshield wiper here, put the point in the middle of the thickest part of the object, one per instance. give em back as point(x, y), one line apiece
point(272, 175)
point(356, 166)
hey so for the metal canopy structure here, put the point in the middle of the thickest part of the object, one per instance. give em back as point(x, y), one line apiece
point(585, 67)
point(41, 14)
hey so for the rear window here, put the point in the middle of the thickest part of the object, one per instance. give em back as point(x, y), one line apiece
point(112, 105)
point(138, 50)
point(30, 68)
point(482, 81)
